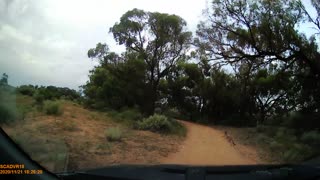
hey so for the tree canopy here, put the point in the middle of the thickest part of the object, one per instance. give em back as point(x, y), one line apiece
point(250, 65)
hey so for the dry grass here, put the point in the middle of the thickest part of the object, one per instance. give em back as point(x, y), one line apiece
point(83, 133)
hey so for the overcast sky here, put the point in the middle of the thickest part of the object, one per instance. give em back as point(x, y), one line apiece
point(45, 42)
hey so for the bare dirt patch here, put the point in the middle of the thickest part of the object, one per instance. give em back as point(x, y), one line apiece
point(77, 140)
point(210, 146)
point(246, 139)
point(82, 132)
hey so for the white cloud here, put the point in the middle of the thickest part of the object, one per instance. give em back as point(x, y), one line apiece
point(46, 42)
point(8, 32)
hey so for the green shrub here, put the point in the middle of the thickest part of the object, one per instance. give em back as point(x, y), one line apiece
point(177, 128)
point(297, 153)
point(112, 113)
point(312, 138)
point(7, 114)
point(276, 147)
point(27, 90)
point(113, 134)
point(128, 117)
point(162, 124)
point(23, 111)
point(156, 123)
point(130, 114)
point(53, 108)
point(174, 113)
point(39, 100)
point(285, 136)
point(8, 110)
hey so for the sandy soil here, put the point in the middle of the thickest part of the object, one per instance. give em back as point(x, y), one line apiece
point(83, 133)
point(208, 146)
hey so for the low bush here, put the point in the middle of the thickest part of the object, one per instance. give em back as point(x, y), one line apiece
point(7, 114)
point(285, 136)
point(157, 123)
point(23, 111)
point(174, 113)
point(311, 138)
point(162, 124)
point(39, 100)
point(286, 145)
point(53, 108)
point(177, 128)
point(276, 147)
point(297, 153)
point(263, 139)
point(130, 114)
point(127, 117)
point(8, 110)
point(27, 90)
point(113, 134)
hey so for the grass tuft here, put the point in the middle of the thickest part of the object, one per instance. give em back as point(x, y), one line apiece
point(113, 134)
point(53, 108)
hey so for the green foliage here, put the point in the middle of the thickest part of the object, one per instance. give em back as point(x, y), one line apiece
point(177, 128)
point(297, 153)
point(53, 108)
point(130, 114)
point(172, 113)
point(4, 79)
point(263, 139)
point(157, 123)
point(7, 114)
point(311, 138)
point(154, 42)
point(271, 82)
point(52, 92)
point(113, 134)
point(8, 110)
point(162, 124)
point(27, 90)
point(290, 152)
point(110, 88)
point(286, 145)
point(276, 147)
point(128, 117)
point(23, 110)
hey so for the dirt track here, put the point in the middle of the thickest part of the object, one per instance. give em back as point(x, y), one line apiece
point(208, 146)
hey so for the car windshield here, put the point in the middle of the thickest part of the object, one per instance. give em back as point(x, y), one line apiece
point(93, 83)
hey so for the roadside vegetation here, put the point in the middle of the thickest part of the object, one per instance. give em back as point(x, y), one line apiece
point(249, 67)
point(162, 124)
point(59, 133)
point(113, 134)
point(277, 144)
point(53, 108)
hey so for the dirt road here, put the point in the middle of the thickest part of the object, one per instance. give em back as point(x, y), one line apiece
point(208, 146)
